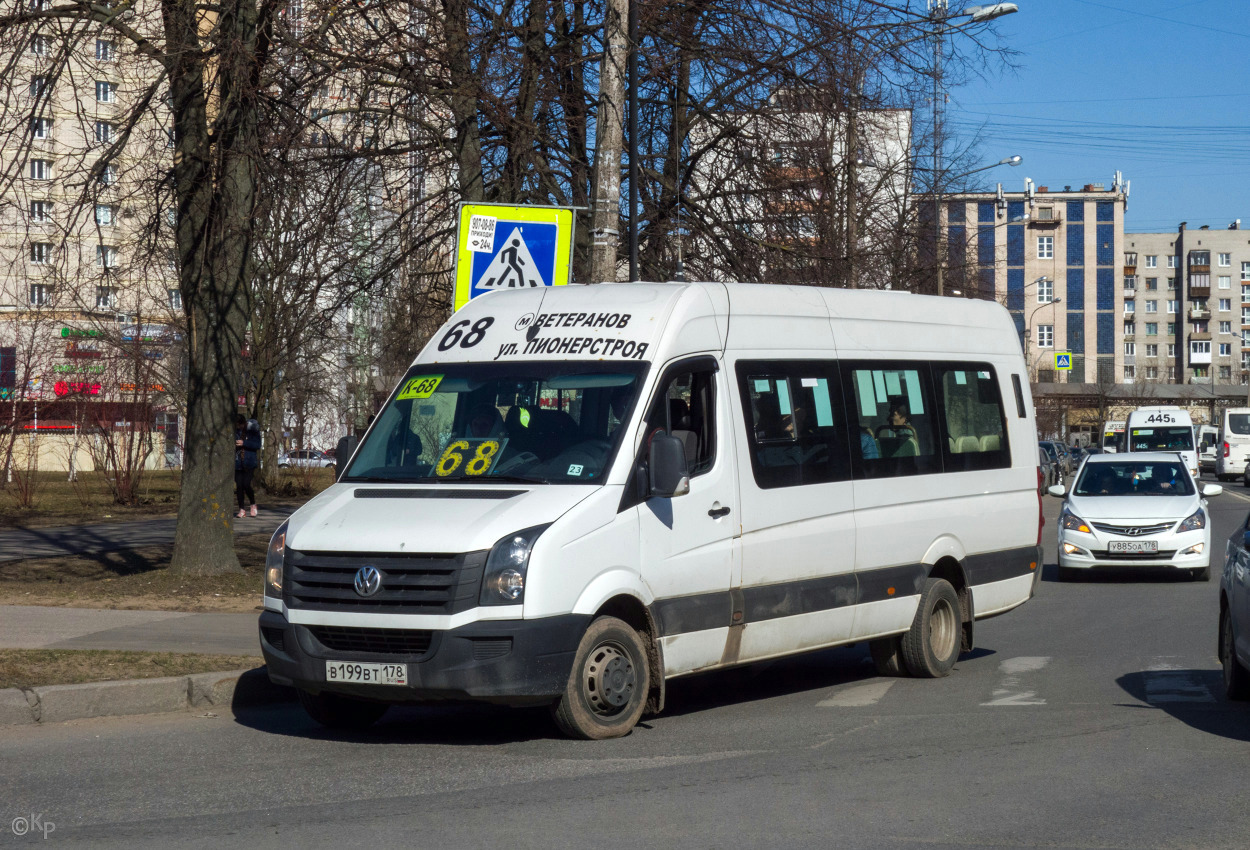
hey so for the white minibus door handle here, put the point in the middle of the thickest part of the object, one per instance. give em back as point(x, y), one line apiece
point(717, 512)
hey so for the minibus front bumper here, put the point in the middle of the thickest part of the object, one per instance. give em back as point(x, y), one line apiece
point(514, 662)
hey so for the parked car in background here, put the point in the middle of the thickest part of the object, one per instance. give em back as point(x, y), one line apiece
point(1049, 469)
point(1059, 452)
point(1056, 460)
point(305, 459)
point(1234, 636)
point(1135, 509)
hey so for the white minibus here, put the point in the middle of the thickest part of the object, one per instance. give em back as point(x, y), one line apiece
point(1207, 436)
point(1233, 446)
point(576, 495)
point(1112, 436)
point(1163, 429)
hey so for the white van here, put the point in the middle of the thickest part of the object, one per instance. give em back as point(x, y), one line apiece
point(1112, 436)
point(1233, 447)
point(578, 494)
point(1166, 428)
point(1207, 437)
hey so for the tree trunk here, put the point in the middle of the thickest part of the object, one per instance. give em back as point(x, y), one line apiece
point(606, 212)
point(463, 100)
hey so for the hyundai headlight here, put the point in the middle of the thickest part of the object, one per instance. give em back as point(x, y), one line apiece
point(1073, 522)
point(503, 582)
point(274, 557)
point(1193, 522)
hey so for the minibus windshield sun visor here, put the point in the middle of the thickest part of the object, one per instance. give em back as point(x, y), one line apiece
point(541, 422)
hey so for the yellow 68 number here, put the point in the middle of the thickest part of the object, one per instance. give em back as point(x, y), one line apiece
point(478, 464)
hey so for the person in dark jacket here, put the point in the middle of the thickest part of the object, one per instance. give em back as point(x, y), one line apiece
point(246, 445)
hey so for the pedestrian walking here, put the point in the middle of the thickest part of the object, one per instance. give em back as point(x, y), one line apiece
point(246, 446)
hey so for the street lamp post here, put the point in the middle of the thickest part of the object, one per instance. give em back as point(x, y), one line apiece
point(940, 16)
point(1028, 329)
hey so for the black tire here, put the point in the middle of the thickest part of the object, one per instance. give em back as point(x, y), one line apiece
point(1070, 574)
point(931, 645)
point(887, 655)
point(335, 711)
point(1203, 574)
point(1236, 677)
point(607, 687)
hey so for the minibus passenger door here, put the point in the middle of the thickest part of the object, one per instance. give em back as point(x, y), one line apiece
point(687, 540)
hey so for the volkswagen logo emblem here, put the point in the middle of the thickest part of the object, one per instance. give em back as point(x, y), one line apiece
point(368, 580)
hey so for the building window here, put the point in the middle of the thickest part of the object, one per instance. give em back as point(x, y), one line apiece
point(1129, 307)
point(175, 299)
point(1171, 261)
point(1200, 258)
point(40, 212)
point(108, 175)
point(105, 298)
point(1201, 327)
point(40, 169)
point(37, 85)
point(40, 128)
point(1245, 293)
point(105, 50)
point(1152, 350)
point(1130, 328)
point(1152, 328)
point(1226, 373)
point(1130, 258)
point(1152, 261)
point(40, 45)
point(1045, 247)
point(105, 215)
point(105, 256)
point(1045, 336)
point(105, 92)
point(1129, 373)
point(1130, 283)
point(1171, 373)
point(1198, 304)
point(1152, 284)
point(1045, 290)
point(1171, 328)
point(1045, 213)
point(1226, 349)
point(104, 132)
point(1245, 271)
point(40, 294)
point(1226, 304)
point(1226, 260)
point(1202, 372)
point(1151, 372)
point(1171, 283)
point(40, 253)
point(1226, 327)
point(1171, 349)
point(1130, 349)
point(1225, 281)
point(1173, 306)
point(1152, 306)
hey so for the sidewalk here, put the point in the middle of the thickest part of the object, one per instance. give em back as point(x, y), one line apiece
point(20, 544)
point(34, 627)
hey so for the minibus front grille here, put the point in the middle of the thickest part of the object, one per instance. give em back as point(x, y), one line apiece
point(410, 584)
point(375, 641)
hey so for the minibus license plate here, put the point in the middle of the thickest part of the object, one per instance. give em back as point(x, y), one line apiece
point(1133, 547)
point(367, 674)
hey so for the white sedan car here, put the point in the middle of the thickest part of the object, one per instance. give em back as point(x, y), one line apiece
point(1141, 509)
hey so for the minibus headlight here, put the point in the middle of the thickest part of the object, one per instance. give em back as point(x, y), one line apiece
point(1193, 522)
point(503, 582)
point(1073, 522)
point(274, 557)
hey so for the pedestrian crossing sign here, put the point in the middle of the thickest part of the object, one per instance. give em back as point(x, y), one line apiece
point(507, 247)
point(1063, 360)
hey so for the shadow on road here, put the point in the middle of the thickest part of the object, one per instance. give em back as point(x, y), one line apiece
point(1120, 575)
point(1187, 694)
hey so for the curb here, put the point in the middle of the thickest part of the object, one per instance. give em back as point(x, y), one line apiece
point(57, 703)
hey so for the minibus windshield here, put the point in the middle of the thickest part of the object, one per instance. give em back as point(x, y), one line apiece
point(546, 422)
point(1176, 439)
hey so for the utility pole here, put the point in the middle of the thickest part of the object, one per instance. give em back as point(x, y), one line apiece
point(606, 206)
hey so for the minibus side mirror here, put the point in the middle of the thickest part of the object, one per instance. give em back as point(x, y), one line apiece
point(667, 462)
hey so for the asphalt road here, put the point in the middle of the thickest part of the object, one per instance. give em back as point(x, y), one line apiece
point(1091, 717)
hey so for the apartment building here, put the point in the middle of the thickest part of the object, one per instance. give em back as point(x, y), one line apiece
point(1052, 256)
point(1187, 305)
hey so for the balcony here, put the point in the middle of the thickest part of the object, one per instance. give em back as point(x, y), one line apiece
point(1199, 314)
point(1130, 271)
point(1199, 291)
point(1197, 269)
point(1053, 221)
point(1130, 292)
point(1200, 335)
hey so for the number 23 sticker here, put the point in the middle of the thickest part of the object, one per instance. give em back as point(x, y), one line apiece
point(475, 455)
point(422, 386)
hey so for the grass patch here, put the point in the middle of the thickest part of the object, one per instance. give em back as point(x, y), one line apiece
point(87, 500)
point(137, 578)
point(28, 668)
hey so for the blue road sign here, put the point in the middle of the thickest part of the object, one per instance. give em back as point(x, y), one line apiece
point(511, 247)
point(1063, 361)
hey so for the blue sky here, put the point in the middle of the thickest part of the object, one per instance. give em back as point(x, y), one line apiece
point(1157, 90)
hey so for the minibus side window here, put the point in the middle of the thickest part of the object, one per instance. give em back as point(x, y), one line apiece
point(685, 407)
point(892, 406)
point(795, 422)
point(973, 417)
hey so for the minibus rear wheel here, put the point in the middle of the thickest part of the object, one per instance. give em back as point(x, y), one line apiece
point(608, 685)
point(887, 655)
point(336, 711)
point(931, 645)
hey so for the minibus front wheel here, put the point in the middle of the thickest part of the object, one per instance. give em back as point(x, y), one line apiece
point(608, 685)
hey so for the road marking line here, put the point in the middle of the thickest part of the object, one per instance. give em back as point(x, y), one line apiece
point(1165, 683)
point(1010, 690)
point(858, 696)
